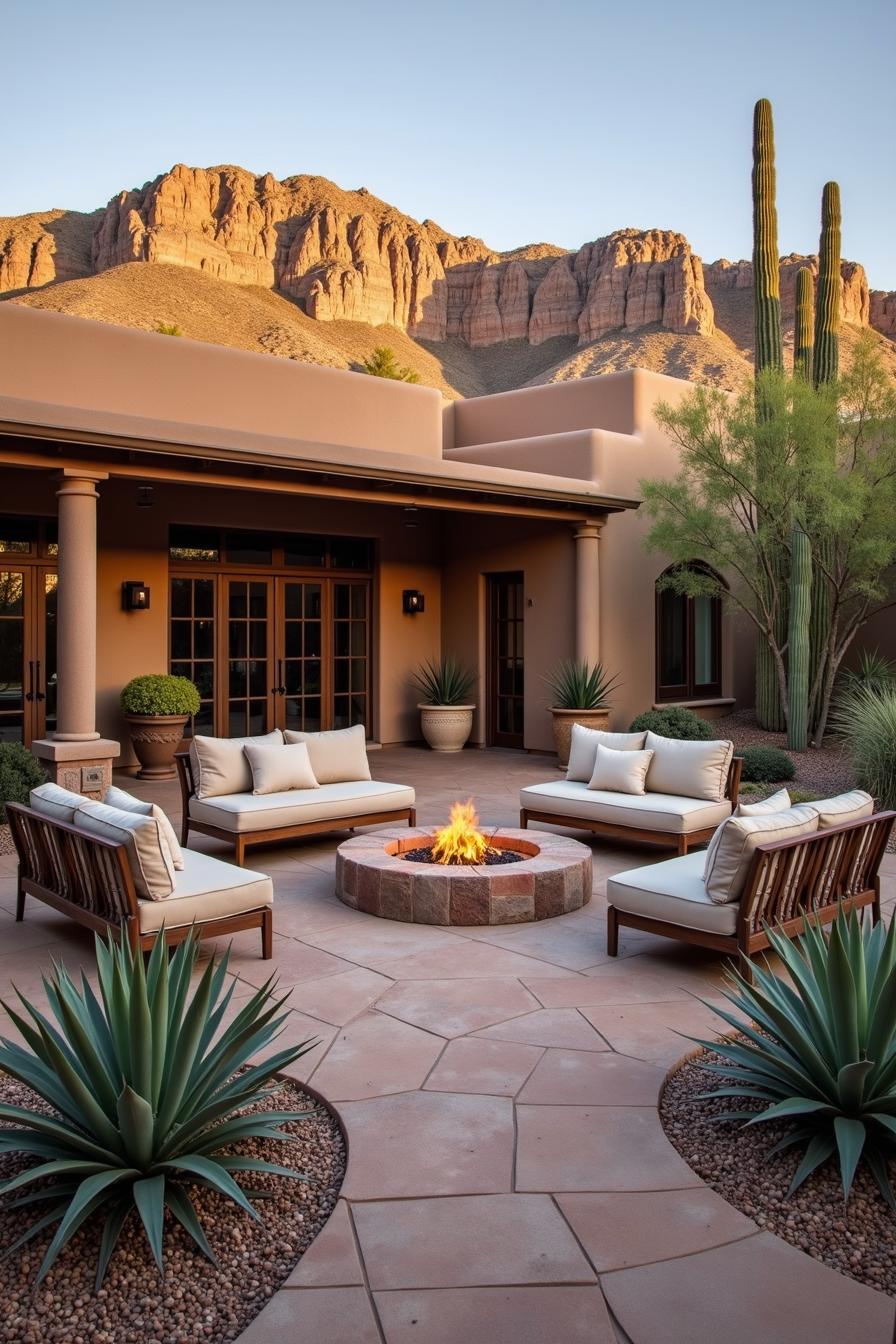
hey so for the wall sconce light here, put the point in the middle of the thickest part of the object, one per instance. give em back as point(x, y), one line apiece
point(145, 496)
point(410, 515)
point(134, 596)
point(412, 601)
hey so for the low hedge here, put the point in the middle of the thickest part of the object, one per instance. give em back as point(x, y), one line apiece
point(675, 721)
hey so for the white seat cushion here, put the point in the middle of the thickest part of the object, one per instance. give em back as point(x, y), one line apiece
point(51, 800)
point(206, 888)
point(778, 802)
point(245, 812)
point(648, 811)
point(692, 769)
point(673, 892)
point(584, 742)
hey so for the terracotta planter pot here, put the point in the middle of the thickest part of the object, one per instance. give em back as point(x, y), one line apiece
point(155, 739)
point(446, 727)
point(563, 722)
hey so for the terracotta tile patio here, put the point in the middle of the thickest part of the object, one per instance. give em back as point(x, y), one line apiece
point(508, 1178)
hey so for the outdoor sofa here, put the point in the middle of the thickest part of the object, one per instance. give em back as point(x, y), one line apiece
point(769, 865)
point(116, 866)
point(254, 790)
point(639, 786)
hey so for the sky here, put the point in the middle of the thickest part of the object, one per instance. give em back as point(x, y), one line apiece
point(518, 122)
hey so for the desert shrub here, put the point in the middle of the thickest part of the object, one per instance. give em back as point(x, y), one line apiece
point(158, 693)
point(766, 765)
point(168, 329)
point(866, 721)
point(674, 721)
point(148, 1096)
point(820, 1046)
point(444, 681)
point(580, 685)
point(874, 673)
point(19, 774)
point(383, 364)
point(803, 796)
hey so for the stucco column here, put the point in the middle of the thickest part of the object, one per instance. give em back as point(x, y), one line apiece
point(587, 537)
point(76, 609)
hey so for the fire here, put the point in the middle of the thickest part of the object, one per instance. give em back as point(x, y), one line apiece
point(460, 841)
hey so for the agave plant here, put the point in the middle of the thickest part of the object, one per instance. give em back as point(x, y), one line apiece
point(822, 1049)
point(579, 685)
point(148, 1094)
point(444, 681)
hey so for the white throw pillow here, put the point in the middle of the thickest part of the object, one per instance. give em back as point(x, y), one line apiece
point(128, 803)
point(688, 769)
point(220, 766)
point(778, 802)
point(584, 742)
point(337, 757)
point(148, 854)
point(852, 806)
point(736, 841)
point(620, 771)
point(51, 800)
point(276, 769)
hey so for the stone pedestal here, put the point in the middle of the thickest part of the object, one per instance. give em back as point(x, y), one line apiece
point(83, 767)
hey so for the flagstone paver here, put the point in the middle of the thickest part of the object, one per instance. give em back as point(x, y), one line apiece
point(498, 1090)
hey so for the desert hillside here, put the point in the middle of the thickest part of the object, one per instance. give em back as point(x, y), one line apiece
point(302, 269)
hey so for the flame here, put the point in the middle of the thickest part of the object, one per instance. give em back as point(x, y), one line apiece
point(460, 841)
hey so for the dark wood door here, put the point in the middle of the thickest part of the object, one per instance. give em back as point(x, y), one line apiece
point(27, 652)
point(506, 675)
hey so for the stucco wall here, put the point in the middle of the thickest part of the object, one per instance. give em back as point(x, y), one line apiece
point(51, 357)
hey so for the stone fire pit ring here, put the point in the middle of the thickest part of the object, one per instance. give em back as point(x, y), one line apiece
point(553, 878)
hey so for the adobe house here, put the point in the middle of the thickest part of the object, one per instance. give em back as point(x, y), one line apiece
point(281, 515)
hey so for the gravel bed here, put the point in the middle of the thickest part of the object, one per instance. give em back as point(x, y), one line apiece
point(857, 1238)
point(194, 1301)
point(825, 771)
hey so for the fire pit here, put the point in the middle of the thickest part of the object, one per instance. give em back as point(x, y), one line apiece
point(461, 875)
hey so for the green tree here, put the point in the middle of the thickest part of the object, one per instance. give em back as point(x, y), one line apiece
point(746, 478)
point(383, 364)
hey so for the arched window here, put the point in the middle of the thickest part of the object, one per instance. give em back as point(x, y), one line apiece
point(688, 644)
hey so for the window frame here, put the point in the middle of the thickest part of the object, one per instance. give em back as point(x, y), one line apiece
point(689, 689)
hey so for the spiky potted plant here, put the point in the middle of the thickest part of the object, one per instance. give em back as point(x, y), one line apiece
point(156, 708)
point(580, 694)
point(446, 719)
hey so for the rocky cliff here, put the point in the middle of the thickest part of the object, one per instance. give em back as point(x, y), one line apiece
point(349, 256)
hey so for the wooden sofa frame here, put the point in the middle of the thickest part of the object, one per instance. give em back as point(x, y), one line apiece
point(680, 843)
point(89, 879)
point(813, 875)
point(241, 840)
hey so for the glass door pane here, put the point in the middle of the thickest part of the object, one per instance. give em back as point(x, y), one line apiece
point(706, 670)
point(506, 666)
point(48, 680)
point(12, 656)
point(192, 642)
point(351, 641)
point(250, 684)
point(299, 656)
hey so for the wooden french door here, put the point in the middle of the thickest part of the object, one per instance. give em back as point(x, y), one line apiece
point(296, 654)
point(27, 652)
point(505, 675)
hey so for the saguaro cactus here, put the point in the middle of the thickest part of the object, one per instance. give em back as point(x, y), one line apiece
point(766, 277)
point(826, 359)
point(800, 609)
point(768, 346)
point(803, 341)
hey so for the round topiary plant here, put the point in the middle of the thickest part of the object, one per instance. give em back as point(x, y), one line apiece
point(674, 721)
point(766, 765)
point(19, 774)
point(160, 694)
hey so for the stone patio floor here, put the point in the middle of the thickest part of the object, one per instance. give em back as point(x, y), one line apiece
point(508, 1180)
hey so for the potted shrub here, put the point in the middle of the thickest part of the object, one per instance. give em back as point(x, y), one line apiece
point(581, 694)
point(156, 708)
point(19, 774)
point(446, 719)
